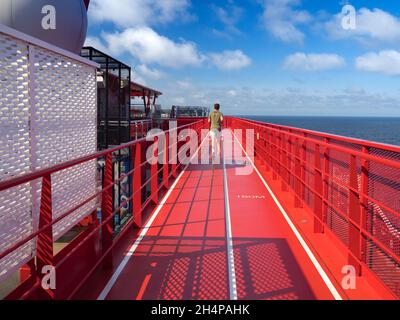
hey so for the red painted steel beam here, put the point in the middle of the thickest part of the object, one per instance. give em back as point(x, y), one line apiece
point(318, 225)
point(166, 162)
point(154, 173)
point(45, 255)
point(137, 185)
point(354, 214)
point(107, 207)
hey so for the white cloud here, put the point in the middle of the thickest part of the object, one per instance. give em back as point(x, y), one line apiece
point(149, 47)
point(374, 24)
point(229, 17)
point(386, 62)
point(282, 19)
point(184, 84)
point(232, 93)
point(230, 60)
point(150, 73)
point(313, 62)
point(96, 43)
point(132, 13)
point(284, 101)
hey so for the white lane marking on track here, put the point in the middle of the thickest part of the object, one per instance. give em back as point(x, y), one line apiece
point(229, 240)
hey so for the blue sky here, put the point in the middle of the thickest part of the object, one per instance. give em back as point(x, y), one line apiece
point(261, 57)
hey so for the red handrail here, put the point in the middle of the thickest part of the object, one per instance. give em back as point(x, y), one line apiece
point(322, 135)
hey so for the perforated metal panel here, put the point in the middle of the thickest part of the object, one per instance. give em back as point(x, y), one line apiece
point(16, 203)
point(65, 129)
point(47, 116)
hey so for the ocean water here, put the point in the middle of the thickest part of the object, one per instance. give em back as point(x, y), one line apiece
point(379, 129)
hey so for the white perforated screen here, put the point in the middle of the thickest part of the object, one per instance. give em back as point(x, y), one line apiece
point(47, 116)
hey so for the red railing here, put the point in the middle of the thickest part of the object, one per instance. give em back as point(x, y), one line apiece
point(351, 186)
point(75, 263)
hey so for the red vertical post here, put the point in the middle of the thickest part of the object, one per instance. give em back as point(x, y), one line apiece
point(269, 150)
point(354, 215)
point(279, 155)
point(174, 152)
point(325, 186)
point(166, 162)
point(44, 251)
point(174, 161)
point(266, 152)
point(45, 239)
point(303, 169)
point(283, 162)
point(364, 184)
point(154, 173)
point(289, 155)
point(274, 155)
point(318, 218)
point(298, 200)
point(137, 184)
point(107, 209)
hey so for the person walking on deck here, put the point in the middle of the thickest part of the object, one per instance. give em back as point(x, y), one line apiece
point(215, 120)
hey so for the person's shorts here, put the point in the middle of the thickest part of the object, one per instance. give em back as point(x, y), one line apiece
point(214, 133)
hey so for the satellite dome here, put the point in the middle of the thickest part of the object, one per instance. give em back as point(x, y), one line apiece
point(62, 23)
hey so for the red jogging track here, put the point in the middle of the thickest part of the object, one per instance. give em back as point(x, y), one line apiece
point(184, 251)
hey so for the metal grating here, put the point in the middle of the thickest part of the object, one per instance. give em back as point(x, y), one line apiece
point(16, 219)
point(66, 129)
point(47, 116)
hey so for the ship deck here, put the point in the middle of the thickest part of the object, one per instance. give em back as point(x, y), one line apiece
point(220, 235)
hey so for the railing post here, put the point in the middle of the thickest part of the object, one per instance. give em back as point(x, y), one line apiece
point(284, 163)
point(274, 160)
point(173, 152)
point(107, 209)
point(304, 165)
point(45, 239)
point(137, 184)
point(298, 200)
point(354, 215)
point(279, 155)
point(154, 173)
point(289, 155)
point(269, 150)
point(318, 217)
point(166, 162)
point(325, 180)
point(45, 255)
point(364, 184)
point(266, 147)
